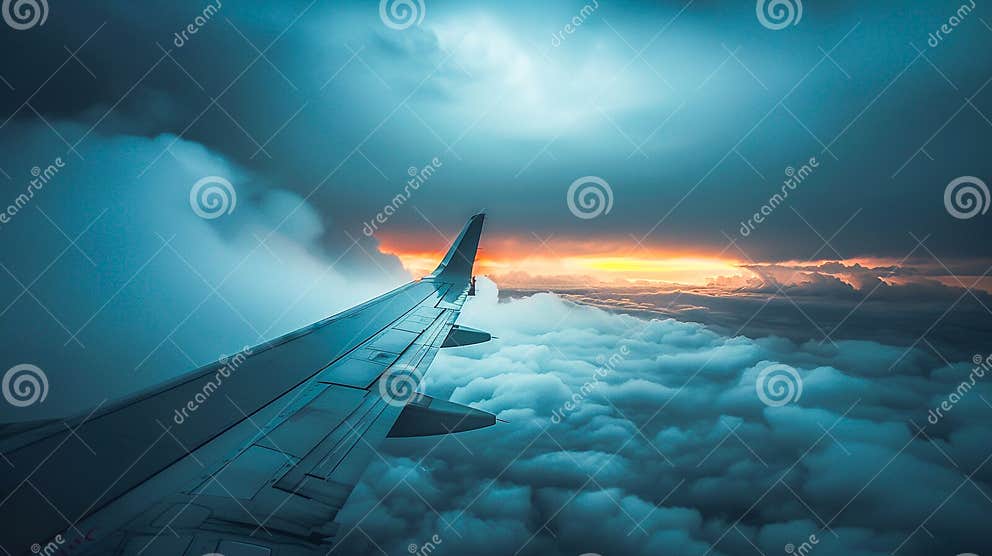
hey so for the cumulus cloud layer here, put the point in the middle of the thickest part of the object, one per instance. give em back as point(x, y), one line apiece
point(672, 451)
point(909, 305)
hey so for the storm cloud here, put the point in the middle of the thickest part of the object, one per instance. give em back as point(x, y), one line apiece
point(673, 451)
point(819, 305)
point(112, 283)
point(694, 114)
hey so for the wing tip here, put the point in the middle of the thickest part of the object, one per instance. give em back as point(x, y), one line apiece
point(460, 258)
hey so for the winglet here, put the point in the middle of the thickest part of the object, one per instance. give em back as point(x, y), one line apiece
point(457, 263)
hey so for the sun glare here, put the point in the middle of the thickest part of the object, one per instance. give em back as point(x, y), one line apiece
point(562, 265)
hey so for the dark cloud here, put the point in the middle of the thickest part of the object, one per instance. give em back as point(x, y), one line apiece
point(674, 452)
point(819, 305)
point(98, 252)
point(342, 101)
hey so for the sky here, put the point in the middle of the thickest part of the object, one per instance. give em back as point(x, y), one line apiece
point(718, 186)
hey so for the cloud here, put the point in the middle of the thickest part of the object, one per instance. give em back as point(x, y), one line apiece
point(111, 243)
point(343, 100)
point(820, 304)
point(672, 451)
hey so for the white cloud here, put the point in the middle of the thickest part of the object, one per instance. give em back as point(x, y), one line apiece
point(661, 447)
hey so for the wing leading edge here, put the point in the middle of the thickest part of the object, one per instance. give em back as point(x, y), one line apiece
point(254, 454)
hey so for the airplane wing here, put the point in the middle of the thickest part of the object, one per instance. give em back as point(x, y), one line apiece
point(252, 455)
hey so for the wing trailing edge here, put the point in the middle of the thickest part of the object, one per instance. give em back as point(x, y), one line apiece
point(427, 416)
point(465, 336)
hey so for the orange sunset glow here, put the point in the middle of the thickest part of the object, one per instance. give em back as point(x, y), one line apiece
point(569, 262)
point(573, 261)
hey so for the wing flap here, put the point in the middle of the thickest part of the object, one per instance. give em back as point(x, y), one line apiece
point(300, 433)
point(465, 336)
point(427, 416)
